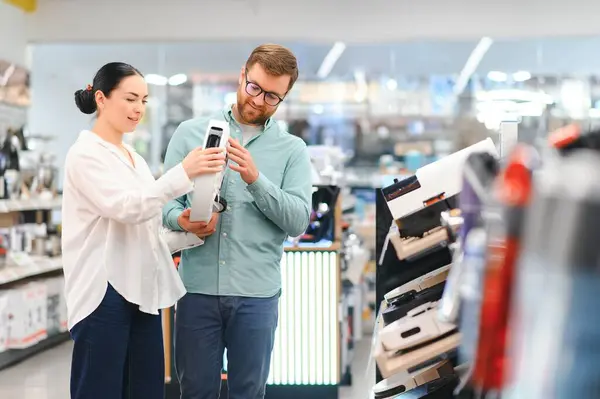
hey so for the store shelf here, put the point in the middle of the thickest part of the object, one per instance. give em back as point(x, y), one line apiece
point(30, 205)
point(28, 266)
point(14, 356)
point(42, 297)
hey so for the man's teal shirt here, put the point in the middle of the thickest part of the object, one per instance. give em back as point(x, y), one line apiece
point(242, 258)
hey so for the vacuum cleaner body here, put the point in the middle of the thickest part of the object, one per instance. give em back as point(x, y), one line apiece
point(206, 197)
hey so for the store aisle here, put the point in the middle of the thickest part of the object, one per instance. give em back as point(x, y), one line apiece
point(363, 372)
point(46, 376)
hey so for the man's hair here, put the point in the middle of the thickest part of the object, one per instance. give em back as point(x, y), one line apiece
point(277, 61)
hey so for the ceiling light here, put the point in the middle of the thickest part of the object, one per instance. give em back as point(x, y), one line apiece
point(157, 80)
point(471, 65)
point(521, 76)
point(178, 79)
point(392, 84)
point(330, 59)
point(318, 109)
point(497, 76)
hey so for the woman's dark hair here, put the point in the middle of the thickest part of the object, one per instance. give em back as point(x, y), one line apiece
point(106, 80)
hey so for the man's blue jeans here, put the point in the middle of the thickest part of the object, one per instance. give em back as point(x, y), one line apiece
point(205, 325)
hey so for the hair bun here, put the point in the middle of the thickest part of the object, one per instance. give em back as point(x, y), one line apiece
point(85, 100)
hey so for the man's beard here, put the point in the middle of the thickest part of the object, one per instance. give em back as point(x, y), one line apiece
point(251, 115)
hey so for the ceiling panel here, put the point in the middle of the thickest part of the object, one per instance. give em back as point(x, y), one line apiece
point(356, 21)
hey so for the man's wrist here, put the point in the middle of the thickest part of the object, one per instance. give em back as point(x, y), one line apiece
point(260, 187)
point(253, 179)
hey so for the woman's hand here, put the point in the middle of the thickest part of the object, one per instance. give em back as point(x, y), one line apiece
point(201, 229)
point(203, 161)
point(210, 228)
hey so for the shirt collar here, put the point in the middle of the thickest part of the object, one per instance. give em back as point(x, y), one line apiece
point(228, 115)
point(89, 135)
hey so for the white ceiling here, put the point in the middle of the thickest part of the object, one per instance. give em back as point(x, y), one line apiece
point(570, 56)
point(357, 21)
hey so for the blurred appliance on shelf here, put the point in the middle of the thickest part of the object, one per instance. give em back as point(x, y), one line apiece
point(555, 294)
point(14, 84)
point(9, 163)
point(329, 163)
point(38, 169)
point(322, 227)
point(44, 182)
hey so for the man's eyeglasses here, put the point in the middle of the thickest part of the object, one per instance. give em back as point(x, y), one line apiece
point(255, 90)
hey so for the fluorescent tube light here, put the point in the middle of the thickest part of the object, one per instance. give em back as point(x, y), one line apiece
point(330, 59)
point(471, 65)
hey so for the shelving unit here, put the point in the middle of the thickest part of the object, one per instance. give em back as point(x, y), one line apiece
point(14, 356)
point(29, 268)
point(30, 205)
point(32, 307)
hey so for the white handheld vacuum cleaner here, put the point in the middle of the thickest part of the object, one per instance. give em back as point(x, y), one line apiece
point(206, 198)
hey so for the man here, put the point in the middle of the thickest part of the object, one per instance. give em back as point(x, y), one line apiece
point(233, 280)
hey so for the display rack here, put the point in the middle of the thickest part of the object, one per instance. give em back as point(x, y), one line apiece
point(415, 369)
point(30, 267)
point(392, 273)
point(15, 356)
point(29, 284)
point(33, 204)
point(418, 225)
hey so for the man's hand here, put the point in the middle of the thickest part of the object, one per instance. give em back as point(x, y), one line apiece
point(244, 164)
point(201, 229)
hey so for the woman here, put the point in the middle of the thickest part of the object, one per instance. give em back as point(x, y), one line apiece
point(118, 270)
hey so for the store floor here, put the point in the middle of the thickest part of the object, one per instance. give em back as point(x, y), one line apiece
point(46, 376)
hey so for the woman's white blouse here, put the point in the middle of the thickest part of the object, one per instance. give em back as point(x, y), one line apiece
point(111, 216)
